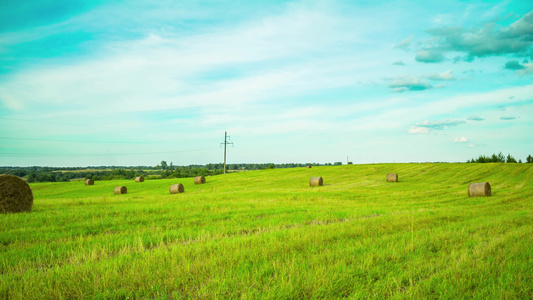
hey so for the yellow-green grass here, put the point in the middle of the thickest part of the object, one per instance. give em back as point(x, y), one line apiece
point(267, 234)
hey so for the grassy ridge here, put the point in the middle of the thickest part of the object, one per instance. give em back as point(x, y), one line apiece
point(268, 234)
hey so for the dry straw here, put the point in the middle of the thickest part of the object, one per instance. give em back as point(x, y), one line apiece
point(309, 167)
point(120, 190)
point(139, 179)
point(15, 194)
point(316, 181)
point(481, 189)
point(177, 188)
point(392, 177)
point(199, 180)
point(89, 182)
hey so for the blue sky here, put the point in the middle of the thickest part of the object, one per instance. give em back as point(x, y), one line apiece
point(85, 83)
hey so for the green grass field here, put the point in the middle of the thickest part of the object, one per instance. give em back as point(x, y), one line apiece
point(267, 234)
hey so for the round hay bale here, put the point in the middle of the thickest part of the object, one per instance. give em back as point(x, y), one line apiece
point(316, 181)
point(481, 189)
point(392, 177)
point(89, 182)
point(121, 190)
point(139, 179)
point(309, 167)
point(15, 194)
point(177, 188)
point(199, 180)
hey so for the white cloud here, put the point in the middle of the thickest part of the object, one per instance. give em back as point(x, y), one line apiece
point(404, 45)
point(441, 76)
point(461, 140)
point(405, 83)
point(528, 69)
point(418, 129)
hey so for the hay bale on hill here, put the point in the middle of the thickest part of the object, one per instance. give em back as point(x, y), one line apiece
point(177, 188)
point(120, 190)
point(139, 179)
point(316, 181)
point(481, 189)
point(89, 182)
point(15, 194)
point(199, 180)
point(392, 177)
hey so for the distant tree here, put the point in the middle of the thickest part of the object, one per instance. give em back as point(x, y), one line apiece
point(529, 159)
point(350, 163)
point(164, 165)
point(271, 166)
point(519, 161)
point(510, 159)
point(32, 177)
point(337, 163)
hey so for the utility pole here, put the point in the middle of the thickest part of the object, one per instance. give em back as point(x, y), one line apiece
point(226, 136)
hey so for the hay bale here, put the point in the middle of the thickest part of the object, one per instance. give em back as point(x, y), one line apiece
point(309, 167)
point(177, 188)
point(199, 180)
point(392, 177)
point(15, 194)
point(316, 181)
point(139, 179)
point(89, 182)
point(481, 189)
point(120, 190)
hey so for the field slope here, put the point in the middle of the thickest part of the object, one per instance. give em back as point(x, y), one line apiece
point(267, 234)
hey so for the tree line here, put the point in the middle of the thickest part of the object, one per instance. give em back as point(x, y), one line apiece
point(162, 170)
point(499, 158)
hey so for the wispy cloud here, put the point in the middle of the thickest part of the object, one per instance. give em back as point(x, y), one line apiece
point(475, 118)
point(408, 83)
point(427, 126)
point(444, 76)
point(528, 69)
point(461, 140)
point(429, 56)
point(513, 65)
point(405, 44)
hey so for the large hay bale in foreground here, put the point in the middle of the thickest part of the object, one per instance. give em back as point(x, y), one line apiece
point(177, 188)
point(15, 194)
point(139, 179)
point(481, 189)
point(121, 190)
point(392, 177)
point(89, 182)
point(199, 180)
point(316, 181)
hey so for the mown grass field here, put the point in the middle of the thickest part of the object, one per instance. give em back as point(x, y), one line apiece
point(267, 234)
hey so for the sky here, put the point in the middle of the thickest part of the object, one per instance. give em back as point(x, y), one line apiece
point(129, 83)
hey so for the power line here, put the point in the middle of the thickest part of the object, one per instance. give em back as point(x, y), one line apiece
point(82, 125)
point(98, 154)
point(62, 123)
point(98, 142)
